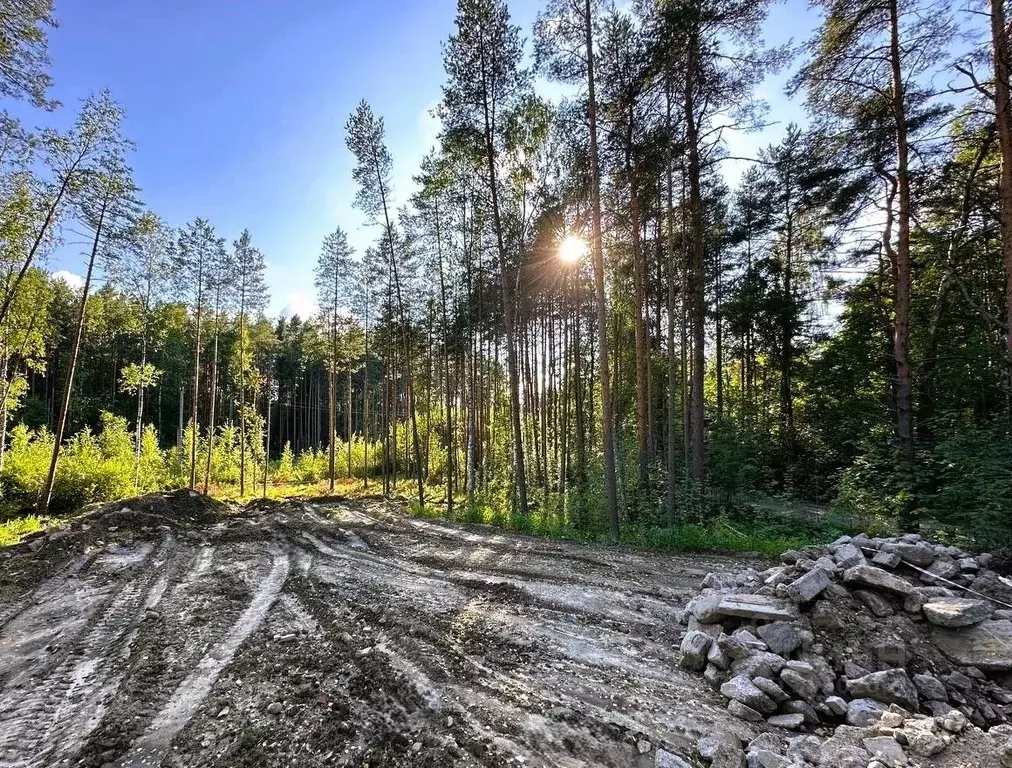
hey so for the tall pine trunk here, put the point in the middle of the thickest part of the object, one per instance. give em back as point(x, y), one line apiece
point(607, 418)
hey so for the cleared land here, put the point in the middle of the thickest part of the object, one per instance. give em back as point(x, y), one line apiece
point(172, 631)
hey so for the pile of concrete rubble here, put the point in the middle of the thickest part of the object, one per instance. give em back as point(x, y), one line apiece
point(886, 651)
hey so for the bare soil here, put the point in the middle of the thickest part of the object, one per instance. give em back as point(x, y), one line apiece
point(173, 631)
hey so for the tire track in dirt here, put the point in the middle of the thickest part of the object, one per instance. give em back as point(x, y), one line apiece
point(54, 707)
point(150, 749)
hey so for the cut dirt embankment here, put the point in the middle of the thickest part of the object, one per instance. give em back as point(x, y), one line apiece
point(175, 631)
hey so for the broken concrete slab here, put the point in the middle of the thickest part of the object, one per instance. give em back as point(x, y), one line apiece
point(876, 578)
point(891, 686)
point(957, 612)
point(761, 607)
point(920, 554)
point(987, 646)
point(809, 586)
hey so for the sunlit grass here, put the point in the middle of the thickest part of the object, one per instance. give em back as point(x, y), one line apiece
point(13, 530)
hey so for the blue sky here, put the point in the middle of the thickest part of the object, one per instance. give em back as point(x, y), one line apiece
point(238, 107)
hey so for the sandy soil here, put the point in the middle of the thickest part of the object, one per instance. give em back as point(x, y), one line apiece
point(179, 633)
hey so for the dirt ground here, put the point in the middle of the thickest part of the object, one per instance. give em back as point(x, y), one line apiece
point(171, 631)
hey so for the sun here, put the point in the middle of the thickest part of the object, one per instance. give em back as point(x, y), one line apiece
point(572, 249)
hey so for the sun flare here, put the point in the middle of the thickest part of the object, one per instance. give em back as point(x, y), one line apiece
point(572, 249)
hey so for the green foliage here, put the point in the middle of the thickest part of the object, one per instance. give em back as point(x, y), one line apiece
point(284, 472)
point(972, 468)
point(12, 531)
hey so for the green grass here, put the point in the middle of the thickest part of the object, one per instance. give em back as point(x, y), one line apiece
point(764, 532)
point(12, 531)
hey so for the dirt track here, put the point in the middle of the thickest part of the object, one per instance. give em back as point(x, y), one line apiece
point(340, 633)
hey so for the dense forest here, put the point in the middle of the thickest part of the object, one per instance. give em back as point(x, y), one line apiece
point(574, 316)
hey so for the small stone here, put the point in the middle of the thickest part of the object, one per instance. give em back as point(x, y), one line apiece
point(913, 603)
point(733, 646)
point(758, 664)
point(803, 708)
point(943, 570)
point(643, 746)
point(804, 749)
point(837, 705)
point(863, 712)
point(876, 578)
point(781, 637)
point(694, 646)
point(791, 722)
point(714, 676)
point(768, 741)
point(848, 555)
point(922, 742)
point(930, 687)
point(807, 587)
point(892, 686)
point(835, 754)
point(704, 608)
point(891, 652)
point(764, 758)
point(827, 563)
point(804, 685)
point(771, 689)
point(716, 656)
point(223, 712)
point(968, 564)
point(957, 612)
point(744, 691)
point(275, 708)
point(874, 602)
point(748, 637)
point(886, 559)
point(286, 638)
point(727, 756)
point(890, 720)
point(449, 721)
point(744, 712)
point(665, 759)
point(825, 616)
point(886, 749)
point(707, 745)
point(984, 559)
point(954, 722)
point(920, 554)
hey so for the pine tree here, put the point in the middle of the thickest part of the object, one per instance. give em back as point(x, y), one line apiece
point(250, 291)
point(333, 273)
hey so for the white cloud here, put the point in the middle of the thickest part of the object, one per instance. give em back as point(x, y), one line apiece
point(299, 304)
point(72, 280)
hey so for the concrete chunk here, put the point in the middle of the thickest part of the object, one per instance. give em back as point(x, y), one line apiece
point(886, 559)
point(760, 607)
point(876, 578)
point(695, 644)
point(782, 637)
point(957, 612)
point(920, 554)
point(987, 646)
point(808, 587)
point(848, 556)
point(891, 686)
point(744, 691)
